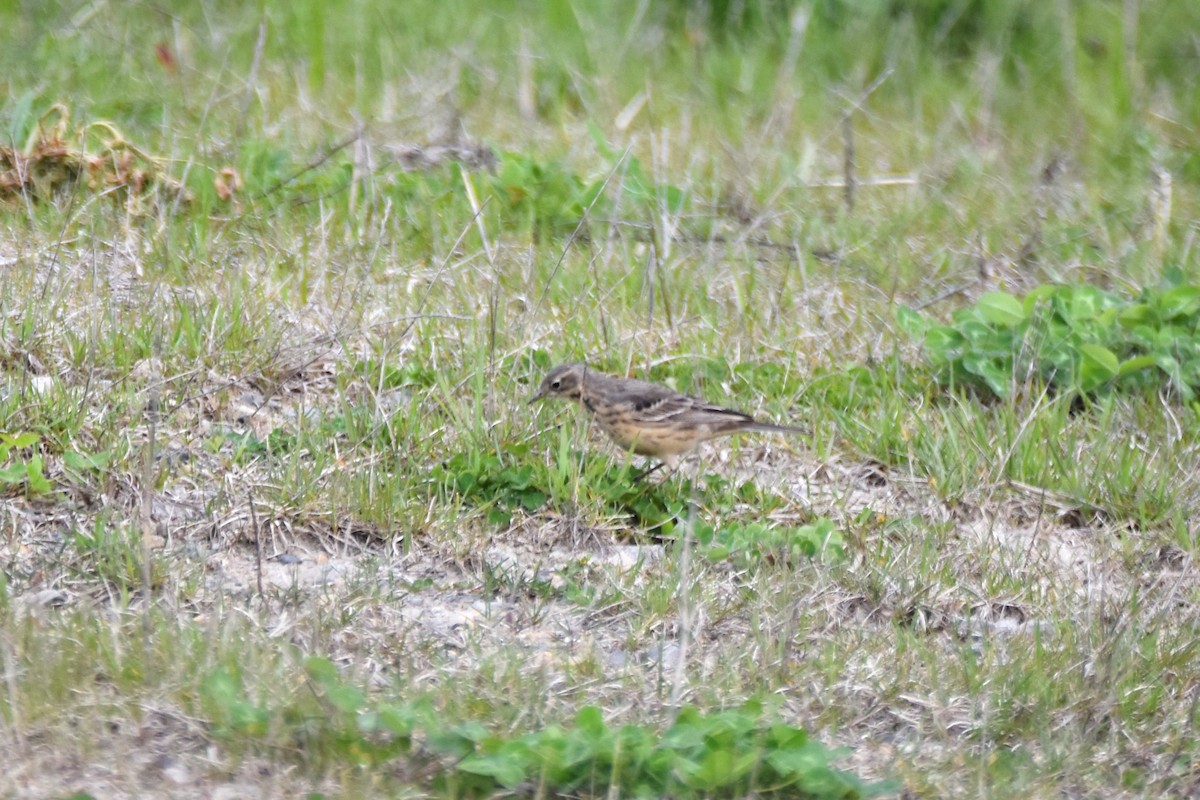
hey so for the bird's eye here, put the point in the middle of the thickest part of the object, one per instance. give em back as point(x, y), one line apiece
point(556, 385)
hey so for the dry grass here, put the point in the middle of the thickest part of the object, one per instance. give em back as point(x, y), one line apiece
point(272, 377)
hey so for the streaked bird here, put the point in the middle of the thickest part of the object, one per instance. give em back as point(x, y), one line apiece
point(647, 418)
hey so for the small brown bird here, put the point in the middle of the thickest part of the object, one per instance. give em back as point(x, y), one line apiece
point(646, 418)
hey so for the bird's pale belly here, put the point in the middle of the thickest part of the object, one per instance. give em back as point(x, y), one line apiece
point(647, 441)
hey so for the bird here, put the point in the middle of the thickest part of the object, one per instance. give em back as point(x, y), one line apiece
point(647, 418)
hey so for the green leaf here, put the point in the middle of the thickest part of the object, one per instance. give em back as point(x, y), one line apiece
point(347, 699)
point(1085, 303)
point(808, 767)
point(464, 482)
point(1098, 365)
point(1191, 371)
point(717, 553)
point(18, 441)
point(1001, 308)
point(785, 737)
point(979, 334)
point(944, 342)
point(1169, 365)
point(1137, 314)
point(714, 771)
point(532, 499)
point(458, 741)
point(505, 769)
point(591, 721)
point(321, 670)
point(914, 323)
point(498, 516)
point(248, 719)
point(22, 122)
point(995, 374)
point(1181, 301)
point(38, 483)
point(396, 721)
point(1037, 297)
point(85, 462)
point(11, 475)
point(1137, 364)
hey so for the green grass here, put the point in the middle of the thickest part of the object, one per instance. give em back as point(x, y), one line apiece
point(371, 568)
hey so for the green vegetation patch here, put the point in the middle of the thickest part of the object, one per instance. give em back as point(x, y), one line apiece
point(730, 753)
point(1076, 338)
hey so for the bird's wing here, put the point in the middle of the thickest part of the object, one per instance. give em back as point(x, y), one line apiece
point(657, 405)
point(665, 407)
point(716, 418)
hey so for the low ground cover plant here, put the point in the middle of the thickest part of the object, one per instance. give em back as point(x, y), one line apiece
point(1076, 338)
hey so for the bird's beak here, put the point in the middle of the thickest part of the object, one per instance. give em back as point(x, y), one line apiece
point(536, 397)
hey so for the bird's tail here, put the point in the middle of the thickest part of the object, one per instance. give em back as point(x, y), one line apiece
point(770, 427)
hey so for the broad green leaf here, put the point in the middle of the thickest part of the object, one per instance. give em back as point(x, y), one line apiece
point(248, 719)
point(1171, 367)
point(345, 698)
point(944, 342)
point(914, 323)
point(395, 720)
point(590, 719)
point(809, 767)
point(83, 462)
point(1097, 366)
point(717, 553)
point(505, 769)
point(1167, 364)
point(498, 516)
point(978, 333)
point(995, 375)
point(18, 441)
point(321, 670)
point(1190, 370)
point(458, 741)
point(532, 499)
point(1085, 303)
point(1131, 365)
point(1102, 357)
point(1059, 365)
point(1174, 276)
point(715, 770)
point(1001, 308)
point(1134, 315)
point(1181, 301)
point(1105, 320)
point(38, 483)
point(785, 737)
point(1037, 296)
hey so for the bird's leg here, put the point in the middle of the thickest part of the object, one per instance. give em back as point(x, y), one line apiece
point(645, 473)
point(670, 461)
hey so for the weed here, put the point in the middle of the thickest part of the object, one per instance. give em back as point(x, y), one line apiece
point(1077, 338)
point(724, 754)
point(25, 473)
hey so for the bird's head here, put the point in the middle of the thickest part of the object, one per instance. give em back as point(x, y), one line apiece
point(565, 380)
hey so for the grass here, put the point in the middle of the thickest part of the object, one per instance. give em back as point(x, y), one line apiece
point(277, 517)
